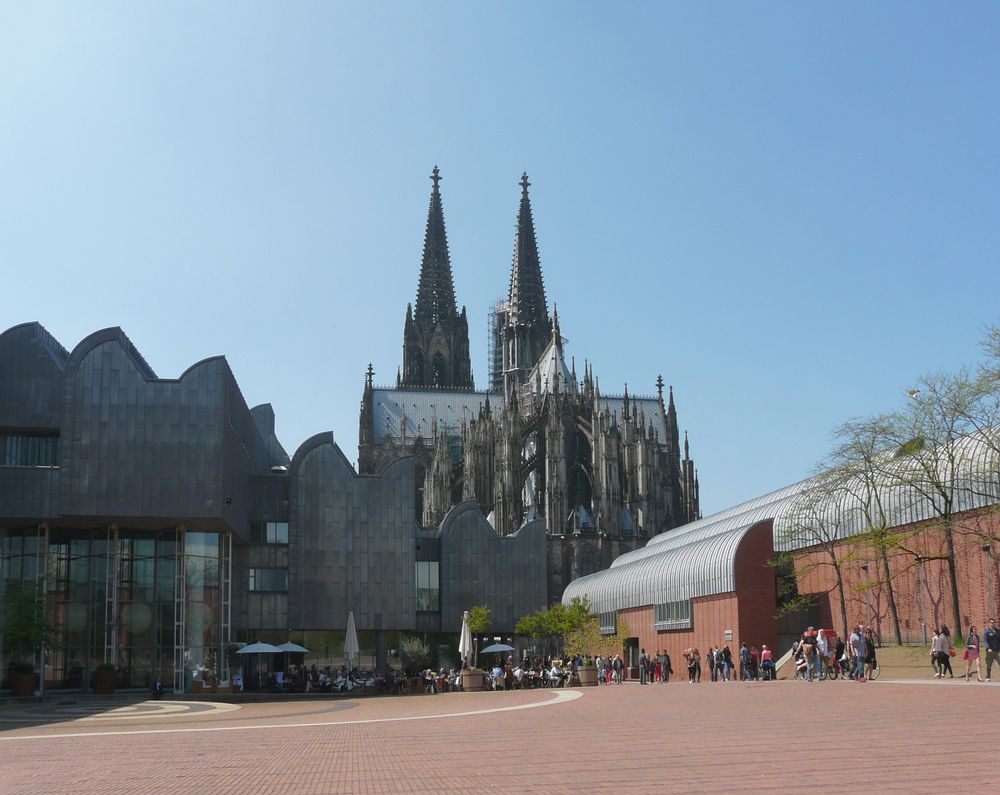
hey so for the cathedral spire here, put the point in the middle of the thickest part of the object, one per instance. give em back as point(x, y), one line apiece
point(446, 362)
point(527, 290)
point(436, 292)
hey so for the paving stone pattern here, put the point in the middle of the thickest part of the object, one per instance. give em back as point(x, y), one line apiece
point(884, 737)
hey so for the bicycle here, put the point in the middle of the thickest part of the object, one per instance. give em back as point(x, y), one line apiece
point(873, 672)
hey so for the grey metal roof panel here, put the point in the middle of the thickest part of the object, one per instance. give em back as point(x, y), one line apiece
point(703, 567)
point(649, 406)
point(417, 410)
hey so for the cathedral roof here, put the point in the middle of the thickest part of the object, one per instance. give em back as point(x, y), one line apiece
point(649, 406)
point(551, 371)
point(419, 408)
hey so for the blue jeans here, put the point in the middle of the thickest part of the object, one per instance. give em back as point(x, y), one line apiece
point(813, 662)
point(859, 667)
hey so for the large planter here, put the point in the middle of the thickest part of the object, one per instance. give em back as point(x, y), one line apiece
point(104, 682)
point(22, 684)
point(588, 675)
point(472, 681)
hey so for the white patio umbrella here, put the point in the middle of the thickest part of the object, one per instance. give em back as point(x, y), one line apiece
point(258, 648)
point(465, 642)
point(351, 648)
point(288, 646)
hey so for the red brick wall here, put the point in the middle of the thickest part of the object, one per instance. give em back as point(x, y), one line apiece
point(755, 588)
point(925, 593)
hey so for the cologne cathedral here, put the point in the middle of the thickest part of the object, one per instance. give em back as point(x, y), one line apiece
point(604, 471)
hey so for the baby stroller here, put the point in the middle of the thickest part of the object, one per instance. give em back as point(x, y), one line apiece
point(801, 666)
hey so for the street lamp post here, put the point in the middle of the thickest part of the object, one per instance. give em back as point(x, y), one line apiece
point(921, 585)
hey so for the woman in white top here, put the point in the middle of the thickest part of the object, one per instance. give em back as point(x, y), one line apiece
point(939, 645)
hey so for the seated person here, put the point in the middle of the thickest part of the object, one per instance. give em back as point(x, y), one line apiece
point(498, 676)
point(555, 675)
point(519, 677)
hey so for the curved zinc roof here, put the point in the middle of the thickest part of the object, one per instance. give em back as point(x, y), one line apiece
point(898, 490)
point(702, 567)
point(698, 559)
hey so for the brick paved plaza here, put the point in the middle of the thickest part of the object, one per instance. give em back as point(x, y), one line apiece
point(880, 736)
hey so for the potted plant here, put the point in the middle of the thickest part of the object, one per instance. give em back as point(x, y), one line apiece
point(26, 632)
point(105, 678)
point(22, 680)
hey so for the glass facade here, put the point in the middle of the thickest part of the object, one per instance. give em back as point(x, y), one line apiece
point(35, 450)
point(127, 597)
point(428, 585)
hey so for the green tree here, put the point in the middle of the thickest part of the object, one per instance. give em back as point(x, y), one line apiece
point(569, 622)
point(26, 629)
point(479, 623)
point(416, 652)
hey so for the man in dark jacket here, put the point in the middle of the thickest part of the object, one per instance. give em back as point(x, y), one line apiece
point(991, 640)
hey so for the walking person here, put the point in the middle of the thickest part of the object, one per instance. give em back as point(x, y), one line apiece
point(950, 649)
point(858, 653)
point(745, 672)
point(870, 663)
point(617, 667)
point(808, 647)
point(643, 667)
point(667, 668)
point(971, 654)
point(991, 640)
point(939, 653)
point(823, 652)
point(936, 652)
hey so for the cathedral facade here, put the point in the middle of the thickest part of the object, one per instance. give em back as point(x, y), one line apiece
point(604, 471)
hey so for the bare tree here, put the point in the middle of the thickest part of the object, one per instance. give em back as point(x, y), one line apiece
point(815, 524)
point(932, 459)
point(860, 456)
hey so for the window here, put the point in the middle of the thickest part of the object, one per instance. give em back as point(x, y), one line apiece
point(277, 532)
point(269, 580)
point(673, 615)
point(28, 450)
point(608, 622)
point(428, 585)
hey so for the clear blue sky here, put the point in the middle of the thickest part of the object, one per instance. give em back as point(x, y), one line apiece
point(790, 210)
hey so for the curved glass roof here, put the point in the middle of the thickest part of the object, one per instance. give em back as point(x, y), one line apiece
point(698, 559)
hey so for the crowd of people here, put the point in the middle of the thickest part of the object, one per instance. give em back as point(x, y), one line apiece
point(942, 650)
point(817, 655)
point(822, 653)
point(721, 665)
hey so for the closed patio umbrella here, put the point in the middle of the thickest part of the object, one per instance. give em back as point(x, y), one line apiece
point(351, 648)
point(465, 642)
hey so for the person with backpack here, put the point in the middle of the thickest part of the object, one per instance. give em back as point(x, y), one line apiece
point(617, 668)
point(667, 668)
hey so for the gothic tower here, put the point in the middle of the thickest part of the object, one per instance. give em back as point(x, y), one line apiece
point(526, 325)
point(435, 335)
